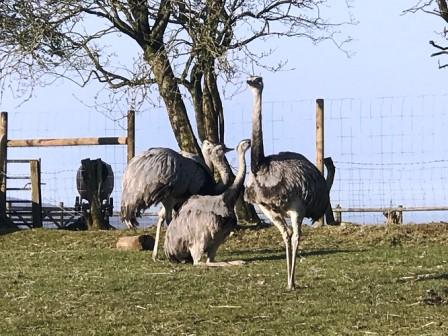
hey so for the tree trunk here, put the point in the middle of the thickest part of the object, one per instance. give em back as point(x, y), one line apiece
point(170, 93)
point(245, 212)
point(197, 97)
point(208, 109)
point(210, 122)
point(209, 116)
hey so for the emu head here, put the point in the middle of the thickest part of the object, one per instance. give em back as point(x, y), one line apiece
point(217, 155)
point(243, 146)
point(255, 83)
point(214, 155)
point(207, 147)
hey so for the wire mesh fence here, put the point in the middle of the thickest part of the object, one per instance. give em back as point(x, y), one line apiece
point(388, 151)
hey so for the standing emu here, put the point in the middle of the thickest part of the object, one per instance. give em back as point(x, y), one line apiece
point(284, 184)
point(204, 222)
point(161, 175)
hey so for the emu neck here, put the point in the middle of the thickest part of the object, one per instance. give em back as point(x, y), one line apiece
point(226, 175)
point(232, 193)
point(257, 150)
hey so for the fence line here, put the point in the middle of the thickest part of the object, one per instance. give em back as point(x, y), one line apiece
point(388, 151)
point(5, 143)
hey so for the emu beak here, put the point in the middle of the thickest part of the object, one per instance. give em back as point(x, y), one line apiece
point(227, 149)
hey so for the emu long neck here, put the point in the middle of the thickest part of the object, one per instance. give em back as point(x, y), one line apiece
point(257, 150)
point(232, 193)
point(226, 175)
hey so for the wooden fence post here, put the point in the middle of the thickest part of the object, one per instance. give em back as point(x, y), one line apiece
point(338, 213)
point(320, 142)
point(36, 197)
point(3, 164)
point(131, 134)
point(61, 215)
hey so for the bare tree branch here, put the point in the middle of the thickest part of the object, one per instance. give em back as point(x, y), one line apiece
point(193, 44)
point(440, 9)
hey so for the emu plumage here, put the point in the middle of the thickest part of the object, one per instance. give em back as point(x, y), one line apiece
point(285, 184)
point(204, 222)
point(162, 175)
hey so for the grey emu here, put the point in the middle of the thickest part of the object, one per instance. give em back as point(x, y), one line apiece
point(162, 175)
point(204, 222)
point(284, 184)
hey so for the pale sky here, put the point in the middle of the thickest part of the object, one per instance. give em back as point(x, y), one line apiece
point(391, 58)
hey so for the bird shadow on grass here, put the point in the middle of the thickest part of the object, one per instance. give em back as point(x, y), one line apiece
point(437, 276)
point(279, 254)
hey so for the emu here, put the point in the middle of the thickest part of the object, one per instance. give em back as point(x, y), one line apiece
point(204, 222)
point(284, 184)
point(162, 175)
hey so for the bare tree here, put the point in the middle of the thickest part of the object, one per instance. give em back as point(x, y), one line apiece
point(440, 9)
point(184, 49)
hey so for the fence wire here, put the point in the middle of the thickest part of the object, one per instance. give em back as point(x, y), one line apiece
point(388, 151)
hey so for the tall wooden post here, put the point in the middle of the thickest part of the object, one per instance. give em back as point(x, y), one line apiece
point(131, 134)
point(320, 141)
point(36, 197)
point(3, 164)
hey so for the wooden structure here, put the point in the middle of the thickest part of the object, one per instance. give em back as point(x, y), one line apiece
point(394, 215)
point(5, 143)
point(26, 211)
point(60, 216)
point(320, 138)
point(3, 165)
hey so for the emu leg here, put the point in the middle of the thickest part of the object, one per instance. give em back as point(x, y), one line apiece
point(280, 224)
point(160, 220)
point(296, 222)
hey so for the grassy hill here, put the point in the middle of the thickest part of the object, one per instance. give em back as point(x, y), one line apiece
point(353, 280)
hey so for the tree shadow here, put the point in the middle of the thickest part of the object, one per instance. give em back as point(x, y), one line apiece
point(279, 254)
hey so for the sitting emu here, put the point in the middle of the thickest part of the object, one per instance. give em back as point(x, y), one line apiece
point(204, 222)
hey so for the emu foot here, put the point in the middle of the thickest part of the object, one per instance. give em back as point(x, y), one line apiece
point(225, 263)
point(236, 262)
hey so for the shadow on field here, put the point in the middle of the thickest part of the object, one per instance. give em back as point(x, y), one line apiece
point(276, 254)
point(438, 276)
point(8, 230)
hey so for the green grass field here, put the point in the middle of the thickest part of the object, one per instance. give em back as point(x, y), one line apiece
point(369, 280)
